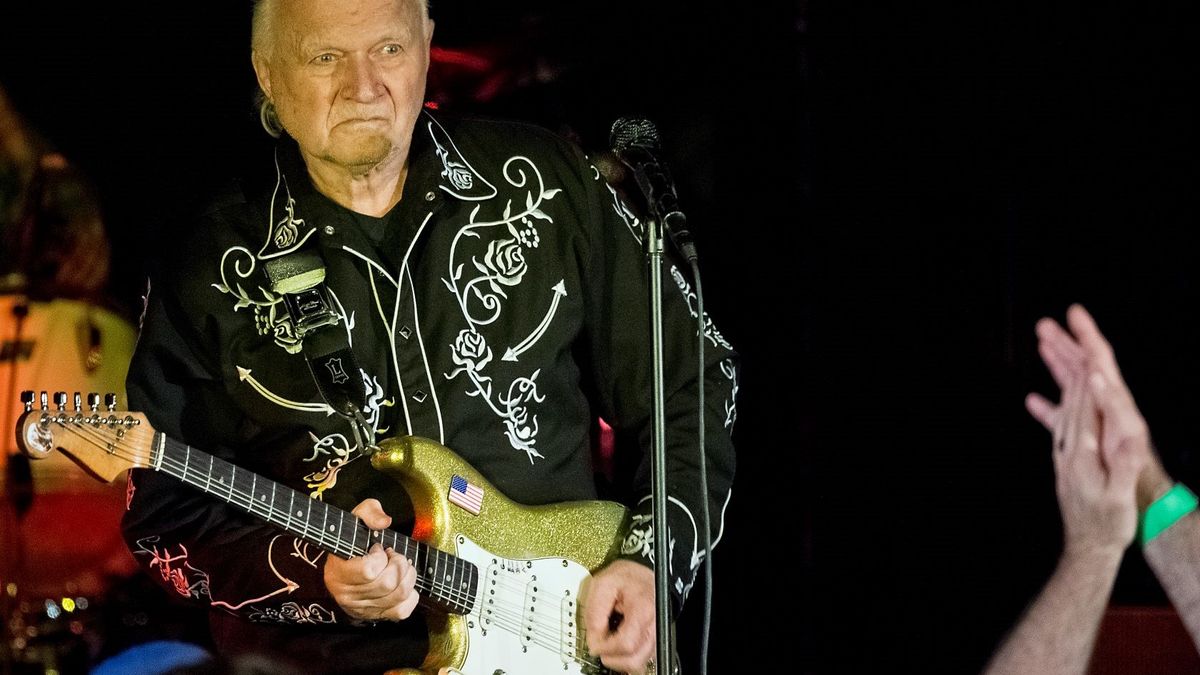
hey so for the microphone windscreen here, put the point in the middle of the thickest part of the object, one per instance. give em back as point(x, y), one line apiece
point(630, 132)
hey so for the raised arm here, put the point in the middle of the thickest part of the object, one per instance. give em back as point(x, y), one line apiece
point(1095, 488)
point(1173, 551)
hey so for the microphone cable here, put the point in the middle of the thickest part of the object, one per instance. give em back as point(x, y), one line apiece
point(706, 626)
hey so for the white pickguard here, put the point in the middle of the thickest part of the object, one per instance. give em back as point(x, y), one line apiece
point(525, 616)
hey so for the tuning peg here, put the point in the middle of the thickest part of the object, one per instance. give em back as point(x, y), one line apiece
point(27, 398)
point(93, 400)
point(60, 400)
point(110, 402)
point(78, 401)
point(43, 400)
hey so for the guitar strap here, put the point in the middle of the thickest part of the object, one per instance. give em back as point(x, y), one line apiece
point(299, 278)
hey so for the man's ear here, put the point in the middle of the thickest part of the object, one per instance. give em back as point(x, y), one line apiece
point(262, 71)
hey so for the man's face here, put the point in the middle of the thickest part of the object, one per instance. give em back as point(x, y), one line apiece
point(347, 77)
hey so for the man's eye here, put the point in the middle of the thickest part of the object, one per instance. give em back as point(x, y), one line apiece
point(325, 58)
point(392, 49)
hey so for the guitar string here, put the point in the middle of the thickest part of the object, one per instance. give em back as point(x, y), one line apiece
point(96, 436)
point(513, 621)
point(514, 624)
point(240, 498)
point(548, 622)
point(516, 596)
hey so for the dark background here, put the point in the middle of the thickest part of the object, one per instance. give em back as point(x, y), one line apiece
point(886, 197)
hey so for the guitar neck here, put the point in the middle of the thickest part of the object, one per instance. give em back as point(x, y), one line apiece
point(442, 579)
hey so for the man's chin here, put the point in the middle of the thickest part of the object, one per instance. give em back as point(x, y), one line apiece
point(361, 152)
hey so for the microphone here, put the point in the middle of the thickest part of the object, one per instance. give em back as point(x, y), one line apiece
point(635, 141)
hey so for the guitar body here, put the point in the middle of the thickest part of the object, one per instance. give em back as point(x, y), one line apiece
point(532, 562)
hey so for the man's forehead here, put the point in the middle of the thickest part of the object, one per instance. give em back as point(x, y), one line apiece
point(319, 24)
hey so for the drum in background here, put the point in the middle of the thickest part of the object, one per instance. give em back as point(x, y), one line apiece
point(60, 540)
point(59, 345)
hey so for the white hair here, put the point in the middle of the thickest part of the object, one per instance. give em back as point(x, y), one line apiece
point(262, 30)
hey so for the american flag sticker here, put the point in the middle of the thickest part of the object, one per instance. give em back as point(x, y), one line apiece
point(466, 495)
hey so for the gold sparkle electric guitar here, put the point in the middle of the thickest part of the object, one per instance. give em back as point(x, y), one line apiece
point(499, 581)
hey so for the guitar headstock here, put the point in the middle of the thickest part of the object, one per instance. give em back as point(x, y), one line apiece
point(104, 442)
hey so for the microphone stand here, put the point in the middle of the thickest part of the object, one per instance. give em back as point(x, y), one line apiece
point(662, 561)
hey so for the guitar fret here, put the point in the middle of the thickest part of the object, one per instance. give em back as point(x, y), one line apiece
point(237, 488)
point(454, 580)
point(225, 479)
point(341, 515)
point(283, 513)
point(291, 500)
point(420, 560)
point(324, 517)
point(159, 450)
point(448, 579)
point(307, 518)
point(434, 576)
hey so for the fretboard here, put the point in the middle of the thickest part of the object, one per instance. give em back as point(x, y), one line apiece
point(445, 582)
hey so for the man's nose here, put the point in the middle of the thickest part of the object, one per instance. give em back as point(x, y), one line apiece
point(361, 79)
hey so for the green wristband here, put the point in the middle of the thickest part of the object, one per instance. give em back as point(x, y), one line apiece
point(1166, 511)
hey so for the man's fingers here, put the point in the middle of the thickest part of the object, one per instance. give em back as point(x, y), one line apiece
point(409, 603)
point(1042, 410)
point(1129, 444)
point(1063, 342)
point(371, 512)
point(1060, 366)
point(1072, 404)
point(343, 576)
point(374, 564)
point(389, 595)
point(406, 607)
point(1097, 348)
point(630, 647)
point(599, 601)
point(1115, 403)
point(400, 602)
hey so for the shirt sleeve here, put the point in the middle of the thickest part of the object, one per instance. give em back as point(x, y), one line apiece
point(619, 335)
point(193, 544)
